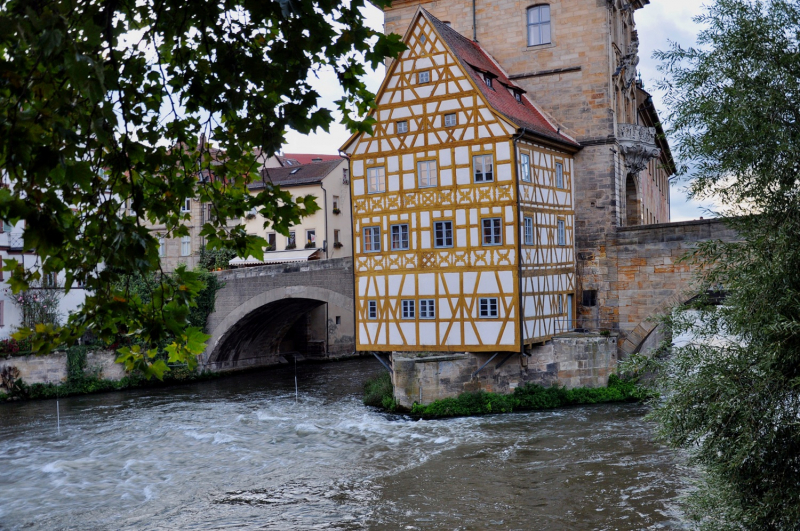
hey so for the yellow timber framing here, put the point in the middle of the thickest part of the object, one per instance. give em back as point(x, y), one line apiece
point(408, 205)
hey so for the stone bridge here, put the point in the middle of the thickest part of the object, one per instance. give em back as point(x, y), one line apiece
point(265, 312)
point(642, 276)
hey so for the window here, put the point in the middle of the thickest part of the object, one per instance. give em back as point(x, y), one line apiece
point(335, 202)
point(49, 280)
point(271, 241)
point(450, 120)
point(422, 38)
point(427, 309)
point(488, 306)
point(482, 168)
point(336, 236)
point(491, 231)
point(7, 227)
point(560, 305)
point(528, 231)
point(518, 96)
point(311, 238)
point(372, 309)
point(402, 127)
point(399, 237)
point(338, 319)
point(525, 167)
point(2, 313)
point(538, 25)
point(590, 297)
point(488, 80)
point(291, 241)
point(559, 175)
point(443, 234)
point(186, 245)
point(408, 309)
point(423, 77)
point(187, 205)
point(376, 181)
point(561, 235)
point(345, 176)
point(426, 170)
point(372, 239)
point(162, 246)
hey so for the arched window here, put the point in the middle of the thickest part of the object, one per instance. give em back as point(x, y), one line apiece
point(538, 25)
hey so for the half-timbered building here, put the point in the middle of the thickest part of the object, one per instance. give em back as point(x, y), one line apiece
point(463, 206)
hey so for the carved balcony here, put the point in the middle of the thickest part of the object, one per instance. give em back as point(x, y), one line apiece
point(638, 145)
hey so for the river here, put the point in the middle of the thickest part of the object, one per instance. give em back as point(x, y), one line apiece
point(242, 452)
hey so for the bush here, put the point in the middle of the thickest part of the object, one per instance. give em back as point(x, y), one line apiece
point(529, 397)
point(378, 391)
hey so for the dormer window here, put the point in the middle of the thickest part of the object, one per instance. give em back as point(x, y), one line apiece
point(488, 80)
point(423, 77)
point(518, 96)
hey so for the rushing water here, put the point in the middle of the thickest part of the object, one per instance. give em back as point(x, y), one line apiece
point(240, 453)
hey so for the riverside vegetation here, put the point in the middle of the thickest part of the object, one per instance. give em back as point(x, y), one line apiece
point(529, 397)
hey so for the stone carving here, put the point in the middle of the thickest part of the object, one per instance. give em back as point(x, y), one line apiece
point(628, 63)
point(638, 145)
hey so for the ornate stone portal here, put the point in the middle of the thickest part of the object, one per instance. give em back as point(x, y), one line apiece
point(638, 145)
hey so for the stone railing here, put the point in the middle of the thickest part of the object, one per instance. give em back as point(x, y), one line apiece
point(638, 145)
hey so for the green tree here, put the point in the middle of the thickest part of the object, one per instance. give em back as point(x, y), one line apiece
point(101, 105)
point(731, 395)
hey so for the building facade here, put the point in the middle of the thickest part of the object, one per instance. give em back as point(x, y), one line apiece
point(463, 207)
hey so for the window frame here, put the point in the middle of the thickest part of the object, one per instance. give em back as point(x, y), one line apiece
point(272, 241)
point(427, 74)
point(162, 246)
point(539, 24)
point(370, 177)
point(372, 310)
point(397, 127)
point(428, 166)
point(186, 207)
point(454, 115)
point(374, 230)
point(499, 232)
point(311, 232)
point(525, 167)
point(186, 241)
point(482, 157)
point(335, 202)
point(427, 309)
point(444, 235)
point(490, 312)
point(408, 309)
point(559, 175)
point(400, 247)
point(527, 223)
point(561, 232)
point(291, 239)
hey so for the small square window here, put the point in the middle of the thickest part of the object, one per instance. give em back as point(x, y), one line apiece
point(561, 232)
point(483, 168)
point(488, 306)
point(427, 309)
point(492, 231)
point(559, 175)
point(443, 234)
point(408, 309)
point(372, 309)
point(528, 231)
point(450, 120)
point(402, 127)
point(399, 237)
point(423, 77)
point(422, 38)
point(590, 297)
point(525, 167)
point(372, 239)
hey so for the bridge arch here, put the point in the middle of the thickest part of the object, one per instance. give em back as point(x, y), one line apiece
point(253, 332)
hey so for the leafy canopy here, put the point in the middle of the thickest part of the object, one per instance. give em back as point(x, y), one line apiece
point(731, 395)
point(101, 105)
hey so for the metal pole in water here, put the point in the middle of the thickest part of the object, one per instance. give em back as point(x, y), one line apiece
point(58, 418)
point(295, 379)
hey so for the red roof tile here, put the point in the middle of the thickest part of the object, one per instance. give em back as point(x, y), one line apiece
point(476, 62)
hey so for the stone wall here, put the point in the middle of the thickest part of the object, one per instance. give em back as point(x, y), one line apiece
point(52, 368)
point(571, 360)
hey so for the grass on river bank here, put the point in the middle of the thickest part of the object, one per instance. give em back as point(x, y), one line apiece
point(529, 397)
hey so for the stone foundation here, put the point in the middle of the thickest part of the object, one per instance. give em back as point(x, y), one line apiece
point(571, 360)
point(52, 368)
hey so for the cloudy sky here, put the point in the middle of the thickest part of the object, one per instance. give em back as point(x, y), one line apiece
point(660, 22)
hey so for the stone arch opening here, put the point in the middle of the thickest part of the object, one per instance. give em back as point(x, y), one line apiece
point(271, 324)
point(633, 214)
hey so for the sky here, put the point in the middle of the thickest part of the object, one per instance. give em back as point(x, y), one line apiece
point(658, 23)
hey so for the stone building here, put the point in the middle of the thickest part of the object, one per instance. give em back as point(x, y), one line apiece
point(576, 60)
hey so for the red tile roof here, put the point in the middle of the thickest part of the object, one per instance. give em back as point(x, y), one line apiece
point(477, 62)
point(296, 175)
point(310, 158)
